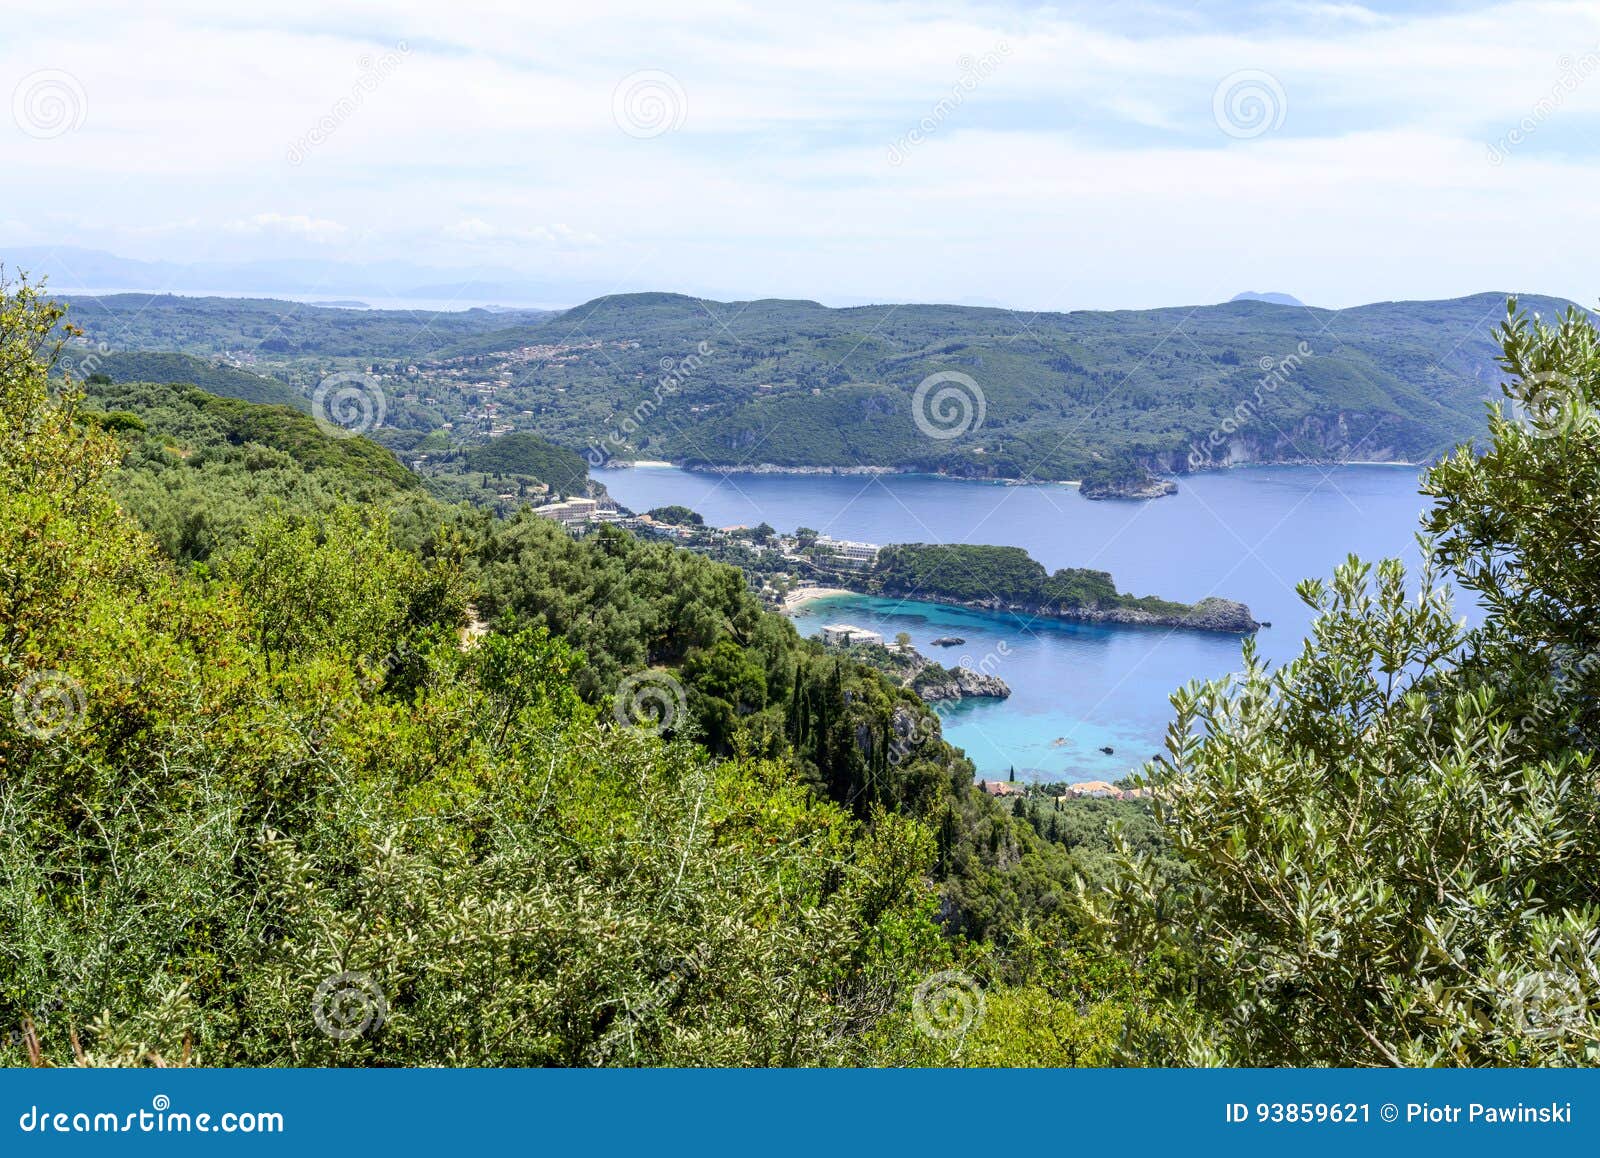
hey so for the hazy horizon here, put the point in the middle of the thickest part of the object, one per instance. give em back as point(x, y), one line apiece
point(338, 297)
point(1004, 154)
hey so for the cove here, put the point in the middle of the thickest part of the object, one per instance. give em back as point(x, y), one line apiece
point(1247, 534)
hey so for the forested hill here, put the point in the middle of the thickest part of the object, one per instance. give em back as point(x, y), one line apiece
point(1102, 396)
point(1006, 578)
point(188, 370)
point(1063, 395)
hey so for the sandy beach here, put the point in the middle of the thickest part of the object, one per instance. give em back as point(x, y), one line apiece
point(801, 596)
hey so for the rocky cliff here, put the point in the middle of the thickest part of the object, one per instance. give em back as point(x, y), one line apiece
point(1148, 487)
point(1211, 614)
point(934, 682)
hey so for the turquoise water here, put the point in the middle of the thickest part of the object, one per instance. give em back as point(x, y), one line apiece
point(1247, 534)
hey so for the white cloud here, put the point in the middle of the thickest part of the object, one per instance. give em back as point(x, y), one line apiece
point(474, 230)
point(313, 229)
point(1085, 170)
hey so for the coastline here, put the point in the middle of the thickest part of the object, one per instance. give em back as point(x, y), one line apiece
point(799, 597)
point(767, 468)
point(1211, 614)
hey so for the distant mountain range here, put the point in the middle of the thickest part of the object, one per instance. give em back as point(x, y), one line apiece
point(1270, 299)
point(1105, 397)
point(74, 270)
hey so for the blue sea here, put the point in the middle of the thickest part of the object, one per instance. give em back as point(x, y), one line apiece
point(1249, 534)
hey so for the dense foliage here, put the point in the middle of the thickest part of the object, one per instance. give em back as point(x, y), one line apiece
point(1394, 839)
point(198, 469)
point(226, 788)
point(677, 515)
point(282, 723)
point(86, 363)
point(525, 453)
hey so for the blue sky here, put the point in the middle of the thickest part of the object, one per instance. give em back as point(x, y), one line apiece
point(1044, 157)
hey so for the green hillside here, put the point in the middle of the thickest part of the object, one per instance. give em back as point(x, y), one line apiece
point(1102, 396)
point(198, 469)
point(1063, 395)
point(637, 778)
point(210, 376)
point(524, 453)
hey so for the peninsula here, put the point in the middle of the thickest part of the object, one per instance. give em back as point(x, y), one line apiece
point(1007, 579)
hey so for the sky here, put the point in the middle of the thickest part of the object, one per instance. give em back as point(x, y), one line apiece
point(1042, 157)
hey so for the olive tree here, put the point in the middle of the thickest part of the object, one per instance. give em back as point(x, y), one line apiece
point(1395, 838)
